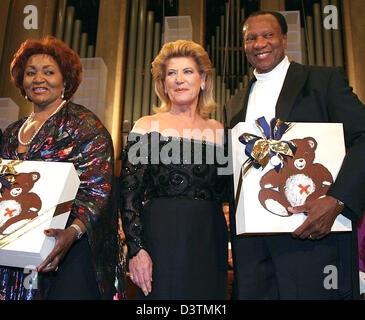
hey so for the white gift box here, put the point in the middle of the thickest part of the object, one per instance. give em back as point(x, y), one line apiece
point(40, 198)
point(251, 215)
point(362, 282)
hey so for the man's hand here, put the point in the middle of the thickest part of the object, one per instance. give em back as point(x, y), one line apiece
point(321, 215)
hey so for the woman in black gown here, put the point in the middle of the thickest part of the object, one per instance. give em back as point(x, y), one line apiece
point(171, 186)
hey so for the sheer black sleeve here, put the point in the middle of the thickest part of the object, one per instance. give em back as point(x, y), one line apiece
point(133, 182)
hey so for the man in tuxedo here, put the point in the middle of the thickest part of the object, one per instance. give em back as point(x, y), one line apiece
point(310, 263)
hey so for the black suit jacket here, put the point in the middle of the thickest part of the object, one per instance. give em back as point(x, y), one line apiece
point(321, 94)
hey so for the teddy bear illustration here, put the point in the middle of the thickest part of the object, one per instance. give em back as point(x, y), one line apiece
point(297, 181)
point(18, 204)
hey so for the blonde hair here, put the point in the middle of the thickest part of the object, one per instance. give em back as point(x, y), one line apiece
point(184, 48)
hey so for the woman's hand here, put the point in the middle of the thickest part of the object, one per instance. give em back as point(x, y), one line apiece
point(64, 239)
point(140, 269)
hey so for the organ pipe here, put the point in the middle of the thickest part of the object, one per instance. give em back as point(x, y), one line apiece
point(129, 84)
point(83, 45)
point(76, 36)
point(137, 101)
point(327, 39)
point(228, 58)
point(310, 41)
point(337, 39)
point(70, 13)
point(69, 30)
point(90, 51)
point(60, 18)
point(147, 65)
point(144, 43)
point(304, 45)
point(318, 40)
point(156, 47)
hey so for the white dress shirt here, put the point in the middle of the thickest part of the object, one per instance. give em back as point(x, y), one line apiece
point(265, 92)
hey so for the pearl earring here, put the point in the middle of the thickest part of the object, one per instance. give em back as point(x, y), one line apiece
point(26, 97)
point(63, 93)
point(202, 87)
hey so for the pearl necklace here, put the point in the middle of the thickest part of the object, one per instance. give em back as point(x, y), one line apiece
point(39, 128)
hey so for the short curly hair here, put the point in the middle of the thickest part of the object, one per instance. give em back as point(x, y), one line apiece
point(184, 48)
point(277, 15)
point(68, 61)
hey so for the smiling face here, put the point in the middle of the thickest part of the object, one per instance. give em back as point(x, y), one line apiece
point(264, 43)
point(183, 81)
point(43, 80)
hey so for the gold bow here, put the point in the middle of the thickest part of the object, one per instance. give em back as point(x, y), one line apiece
point(8, 169)
point(262, 147)
point(260, 154)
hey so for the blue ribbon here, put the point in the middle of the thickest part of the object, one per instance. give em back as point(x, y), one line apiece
point(259, 148)
point(4, 183)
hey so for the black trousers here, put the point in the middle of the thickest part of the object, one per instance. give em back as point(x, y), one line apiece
point(281, 267)
point(75, 278)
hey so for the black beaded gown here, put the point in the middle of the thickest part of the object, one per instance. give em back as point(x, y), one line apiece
point(171, 205)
